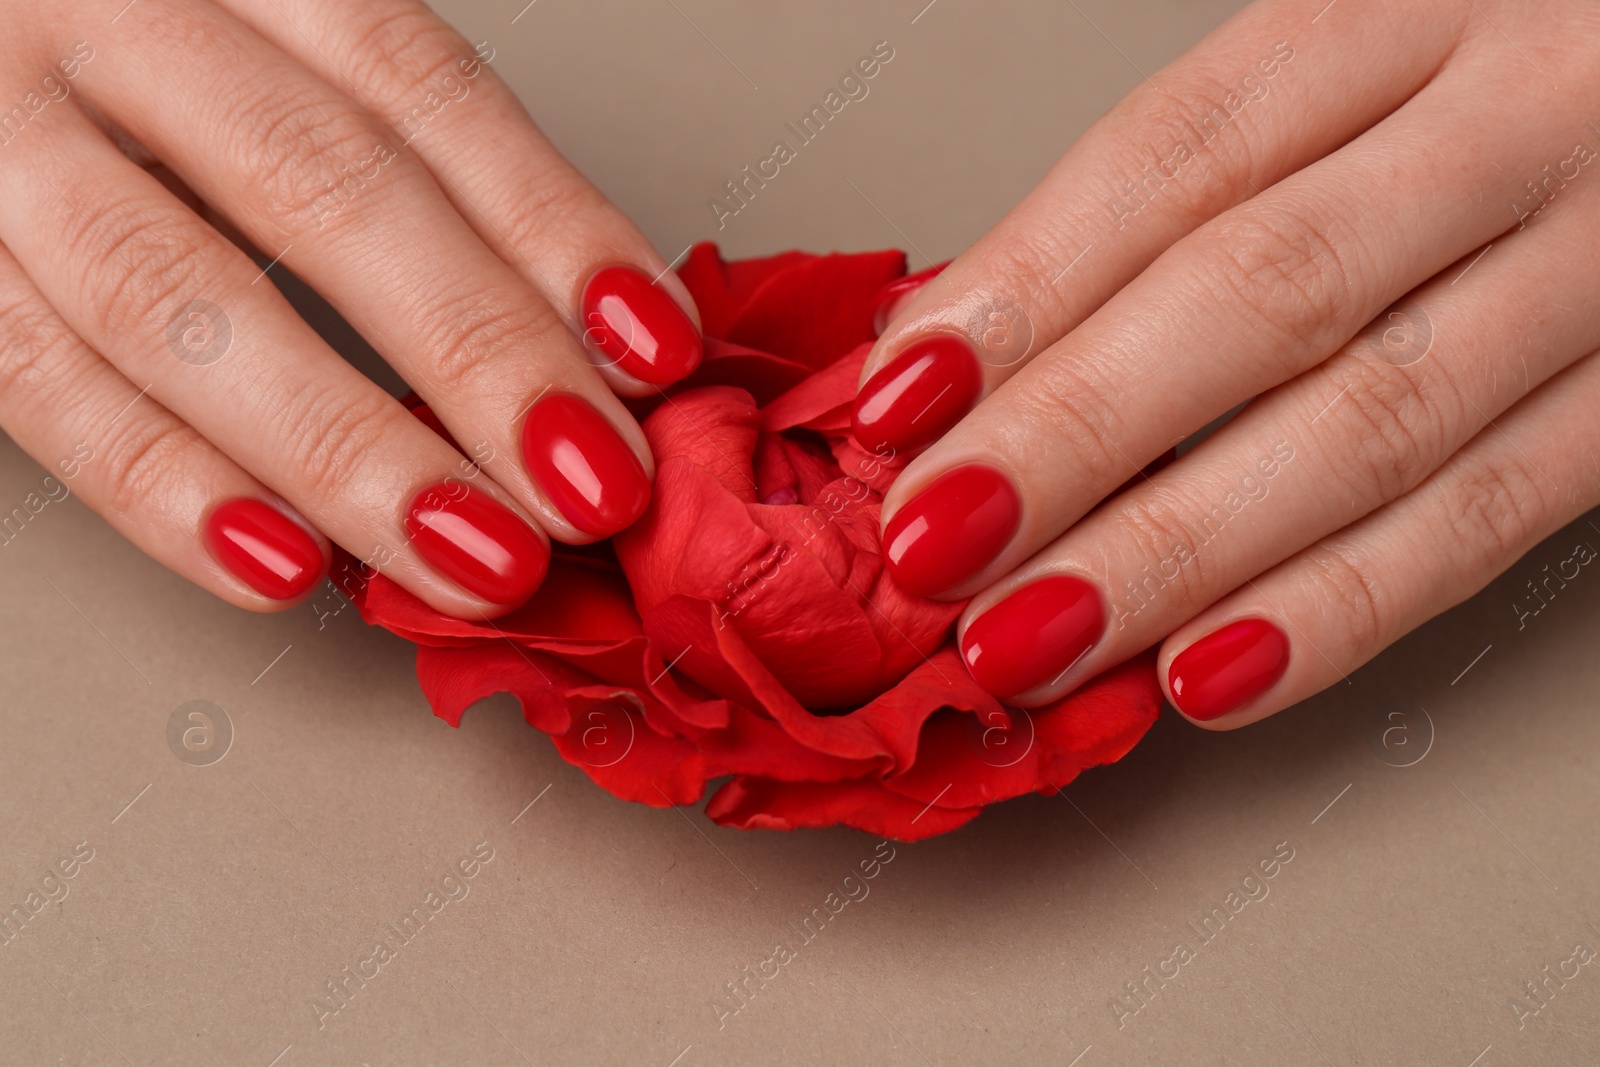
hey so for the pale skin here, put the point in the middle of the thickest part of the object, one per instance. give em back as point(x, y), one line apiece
point(1395, 145)
point(454, 237)
point(1167, 273)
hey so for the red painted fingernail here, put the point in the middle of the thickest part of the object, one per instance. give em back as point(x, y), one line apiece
point(583, 465)
point(477, 542)
point(892, 295)
point(639, 327)
point(1226, 669)
point(1033, 635)
point(952, 529)
point(264, 548)
point(913, 401)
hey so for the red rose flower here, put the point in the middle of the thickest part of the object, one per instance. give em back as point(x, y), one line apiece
point(745, 627)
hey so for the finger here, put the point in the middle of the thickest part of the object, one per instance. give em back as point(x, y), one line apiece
point(474, 339)
point(174, 306)
point(1298, 464)
point(444, 100)
point(1270, 92)
point(1267, 291)
point(1318, 616)
point(896, 295)
point(151, 475)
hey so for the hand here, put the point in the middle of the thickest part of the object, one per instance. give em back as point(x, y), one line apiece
point(1376, 223)
point(365, 146)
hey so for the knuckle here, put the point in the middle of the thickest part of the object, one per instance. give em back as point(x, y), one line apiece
point(466, 342)
point(136, 259)
point(1026, 261)
point(335, 436)
point(402, 49)
point(1059, 417)
point(1278, 272)
point(1343, 585)
point(145, 462)
point(1186, 117)
point(1394, 433)
point(1173, 535)
point(37, 346)
point(174, 26)
point(301, 146)
point(1496, 509)
point(551, 197)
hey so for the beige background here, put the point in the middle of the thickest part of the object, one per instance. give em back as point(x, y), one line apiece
point(220, 898)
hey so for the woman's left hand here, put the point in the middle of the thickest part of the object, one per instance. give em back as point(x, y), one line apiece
point(1376, 221)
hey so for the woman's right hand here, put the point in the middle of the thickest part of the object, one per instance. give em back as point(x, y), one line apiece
point(152, 368)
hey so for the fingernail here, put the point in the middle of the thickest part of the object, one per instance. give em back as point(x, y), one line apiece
point(1227, 669)
point(263, 548)
point(913, 401)
point(583, 465)
point(477, 543)
point(892, 296)
point(952, 529)
point(1033, 635)
point(638, 327)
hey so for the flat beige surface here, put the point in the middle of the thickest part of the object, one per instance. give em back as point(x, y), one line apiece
point(219, 900)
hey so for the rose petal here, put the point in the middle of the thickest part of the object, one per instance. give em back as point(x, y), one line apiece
point(609, 740)
point(811, 309)
point(822, 402)
point(966, 760)
point(721, 289)
point(714, 428)
point(693, 539)
point(764, 375)
point(712, 659)
point(878, 470)
point(577, 602)
point(607, 731)
point(762, 804)
point(454, 679)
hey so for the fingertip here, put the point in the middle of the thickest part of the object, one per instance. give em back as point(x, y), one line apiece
point(892, 298)
point(1223, 680)
point(268, 548)
point(481, 545)
point(642, 330)
point(937, 542)
point(587, 468)
point(674, 287)
point(917, 397)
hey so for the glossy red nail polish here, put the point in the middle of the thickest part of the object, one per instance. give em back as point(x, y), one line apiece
point(638, 327)
point(917, 397)
point(952, 529)
point(477, 542)
point(1226, 669)
point(583, 465)
point(264, 548)
point(1032, 636)
point(890, 296)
